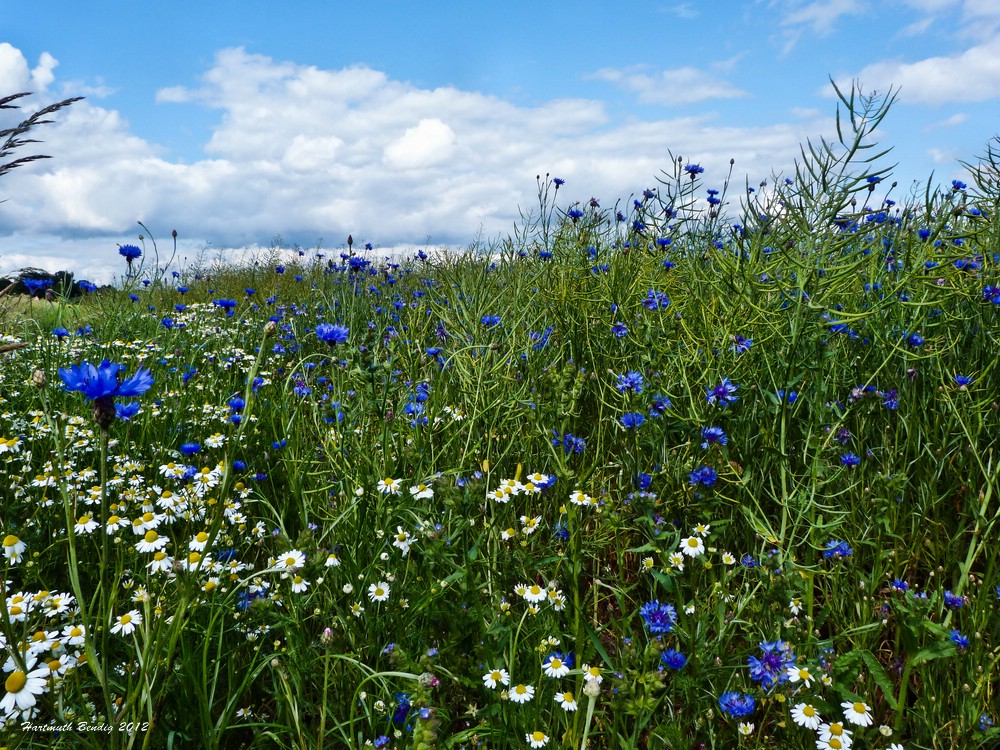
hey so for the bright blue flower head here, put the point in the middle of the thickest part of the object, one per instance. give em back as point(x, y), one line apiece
point(100, 385)
point(129, 253)
point(771, 668)
point(660, 618)
point(737, 705)
point(332, 334)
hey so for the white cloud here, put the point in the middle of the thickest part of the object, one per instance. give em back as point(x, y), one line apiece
point(969, 76)
point(822, 16)
point(949, 122)
point(675, 86)
point(426, 144)
point(308, 153)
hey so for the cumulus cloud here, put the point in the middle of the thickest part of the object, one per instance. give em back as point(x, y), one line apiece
point(309, 153)
point(970, 76)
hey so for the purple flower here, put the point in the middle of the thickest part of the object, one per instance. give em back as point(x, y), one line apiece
point(736, 704)
point(837, 548)
point(631, 420)
point(630, 381)
point(704, 475)
point(772, 667)
point(849, 460)
point(953, 601)
point(673, 659)
point(332, 334)
point(619, 330)
point(660, 618)
point(713, 436)
point(723, 394)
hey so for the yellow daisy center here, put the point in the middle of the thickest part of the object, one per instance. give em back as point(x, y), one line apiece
point(194, 558)
point(125, 619)
point(836, 729)
point(692, 542)
point(538, 736)
point(809, 711)
point(54, 665)
point(84, 519)
point(151, 536)
point(859, 708)
point(9, 541)
point(16, 682)
point(202, 537)
point(75, 632)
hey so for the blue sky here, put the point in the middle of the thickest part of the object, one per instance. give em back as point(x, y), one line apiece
point(413, 124)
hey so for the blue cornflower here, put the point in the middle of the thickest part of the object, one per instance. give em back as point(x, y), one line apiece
point(558, 181)
point(630, 381)
point(741, 344)
point(575, 214)
point(631, 420)
point(772, 667)
point(890, 399)
point(837, 548)
point(619, 330)
point(189, 449)
point(673, 659)
point(129, 253)
point(228, 305)
point(693, 169)
point(660, 618)
point(790, 396)
point(723, 394)
point(899, 585)
point(704, 475)
point(643, 480)
point(659, 406)
point(60, 333)
point(126, 411)
point(490, 320)
point(915, 340)
point(958, 639)
point(963, 381)
point(991, 293)
point(748, 562)
point(102, 381)
point(656, 300)
point(953, 601)
point(736, 704)
point(713, 436)
point(849, 460)
point(332, 334)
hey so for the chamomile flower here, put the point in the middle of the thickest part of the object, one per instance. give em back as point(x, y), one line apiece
point(199, 541)
point(126, 623)
point(13, 548)
point(857, 713)
point(746, 728)
point(701, 529)
point(162, 563)
point(566, 701)
point(530, 524)
point(805, 715)
point(85, 524)
point(693, 546)
point(728, 558)
point(676, 560)
point(389, 486)
point(535, 593)
point(22, 687)
point(592, 674)
point(496, 677)
point(75, 635)
point(379, 592)
point(421, 491)
point(521, 693)
point(578, 497)
point(151, 542)
point(537, 739)
point(402, 540)
point(299, 584)
point(800, 674)
point(291, 560)
point(554, 666)
point(835, 731)
point(332, 561)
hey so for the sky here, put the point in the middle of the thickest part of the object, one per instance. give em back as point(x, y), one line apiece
point(241, 124)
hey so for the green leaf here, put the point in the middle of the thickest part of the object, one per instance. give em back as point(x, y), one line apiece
point(936, 650)
point(878, 673)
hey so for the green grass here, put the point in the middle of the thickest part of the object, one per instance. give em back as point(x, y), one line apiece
point(816, 324)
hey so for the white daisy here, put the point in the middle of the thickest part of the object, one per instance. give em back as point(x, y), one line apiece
point(496, 677)
point(554, 666)
point(857, 713)
point(566, 701)
point(378, 592)
point(21, 687)
point(126, 624)
point(537, 739)
point(521, 693)
point(805, 715)
point(693, 546)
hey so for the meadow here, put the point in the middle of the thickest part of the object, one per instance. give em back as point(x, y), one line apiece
point(714, 467)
